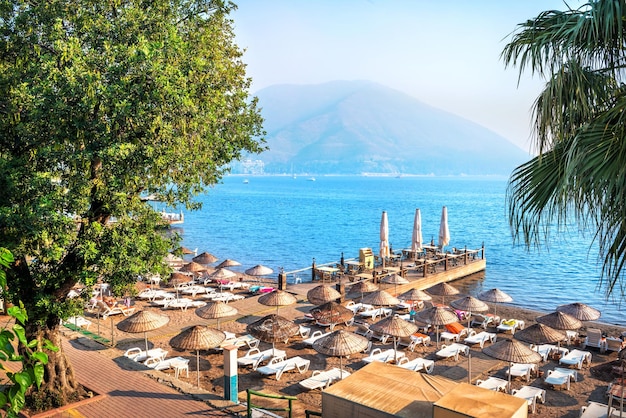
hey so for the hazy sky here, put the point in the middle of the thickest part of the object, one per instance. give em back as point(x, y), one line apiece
point(445, 53)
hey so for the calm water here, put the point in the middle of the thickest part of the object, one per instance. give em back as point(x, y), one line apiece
point(286, 222)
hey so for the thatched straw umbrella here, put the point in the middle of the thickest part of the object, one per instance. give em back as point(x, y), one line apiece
point(193, 267)
point(443, 289)
point(332, 313)
point(539, 334)
point(143, 321)
point(395, 279)
point(322, 294)
point(205, 258)
point(469, 304)
point(340, 343)
point(580, 311)
point(496, 296)
point(560, 320)
point(512, 351)
point(436, 316)
point(364, 286)
point(396, 327)
point(228, 263)
point(198, 338)
point(216, 310)
point(259, 270)
point(277, 298)
point(380, 298)
point(273, 328)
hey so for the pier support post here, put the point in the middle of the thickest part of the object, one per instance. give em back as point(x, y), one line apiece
point(231, 384)
point(282, 280)
point(313, 271)
point(465, 256)
point(341, 288)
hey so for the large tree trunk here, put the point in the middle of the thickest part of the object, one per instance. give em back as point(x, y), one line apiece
point(59, 382)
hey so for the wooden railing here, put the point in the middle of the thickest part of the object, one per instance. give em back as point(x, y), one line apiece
point(251, 392)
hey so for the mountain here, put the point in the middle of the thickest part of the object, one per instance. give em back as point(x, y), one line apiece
point(354, 127)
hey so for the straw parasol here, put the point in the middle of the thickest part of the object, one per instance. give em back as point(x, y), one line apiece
point(443, 289)
point(415, 294)
point(539, 334)
point(259, 270)
point(198, 338)
point(332, 313)
point(222, 274)
point(322, 294)
point(580, 311)
point(437, 315)
point(469, 304)
point(395, 279)
point(143, 321)
point(277, 298)
point(396, 327)
point(216, 310)
point(364, 286)
point(512, 351)
point(193, 267)
point(380, 298)
point(185, 250)
point(177, 278)
point(273, 328)
point(340, 343)
point(205, 258)
point(495, 295)
point(560, 320)
point(228, 263)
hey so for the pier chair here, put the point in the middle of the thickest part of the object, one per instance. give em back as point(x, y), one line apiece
point(560, 377)
point(280, 365)
point(481, 338)
point(417, 364)
point(576, 358)
point(532, 396)
point(523, 370)
point(386, 356)
point(453, 350)
point(322, 379)
point(594, 339)
point(139, 355)
point(105, 310)
point(510, 325)
point(414, 340)
point(494, 383)
point(179, 364)
point(484, 320)
point(547, 350)
point(453, 332)
point(597, 410)
point(254, 357)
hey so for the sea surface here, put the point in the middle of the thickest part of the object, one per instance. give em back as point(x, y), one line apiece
point(286, 222)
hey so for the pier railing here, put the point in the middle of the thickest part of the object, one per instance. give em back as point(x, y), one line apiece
point(434, 262)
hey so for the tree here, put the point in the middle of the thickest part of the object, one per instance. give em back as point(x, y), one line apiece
point(101, 103)
point(580, 170)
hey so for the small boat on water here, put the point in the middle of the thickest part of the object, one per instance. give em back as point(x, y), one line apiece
point(246, 181)
point(311, 179)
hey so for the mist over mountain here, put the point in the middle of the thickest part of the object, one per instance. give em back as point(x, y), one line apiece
point(356, 127)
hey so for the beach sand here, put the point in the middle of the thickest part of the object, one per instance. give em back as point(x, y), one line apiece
point(591, 385)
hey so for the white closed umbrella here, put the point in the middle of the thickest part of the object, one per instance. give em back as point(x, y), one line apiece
point(384, 238)
point(416, 241)
point(444, 231)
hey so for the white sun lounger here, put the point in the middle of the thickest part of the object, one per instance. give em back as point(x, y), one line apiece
point(560, 377)
point(417, 364)
point(243, 340)
point(196, 289)
point(545, 350)
point(314, 337)
point(254, 357)
point(480, 338)
point(280, 365)
point(183, 304)
point(137, 354)
point(78, 321)
point(179, 364)
point(375, 313)
point(494, 383)
point(532, 395)
point(597, 410)
point(511, 325)
point(386, 356)
point(453, 350)
point(323, 379)
point(576, 358)
point(525, 370)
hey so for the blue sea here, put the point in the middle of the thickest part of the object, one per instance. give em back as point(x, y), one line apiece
point(285, 222)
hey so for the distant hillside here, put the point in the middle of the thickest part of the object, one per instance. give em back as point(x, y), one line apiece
point(353, 127)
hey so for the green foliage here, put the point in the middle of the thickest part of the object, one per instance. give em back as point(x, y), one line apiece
point(12, 396)
point(103, 102)
point(580, 172)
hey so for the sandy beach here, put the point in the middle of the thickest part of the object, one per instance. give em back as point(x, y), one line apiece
point(591, 385)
